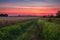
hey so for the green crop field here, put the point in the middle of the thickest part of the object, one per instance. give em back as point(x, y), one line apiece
point(38, 29)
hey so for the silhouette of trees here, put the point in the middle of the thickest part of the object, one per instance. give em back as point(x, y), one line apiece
point(44, 16)
point(3, 15)
point(50, 16)
point(58, 14)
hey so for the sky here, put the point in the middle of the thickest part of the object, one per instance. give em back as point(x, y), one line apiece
point(29, 7)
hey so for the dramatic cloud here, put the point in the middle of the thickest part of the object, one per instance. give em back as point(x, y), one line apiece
point(29, 6)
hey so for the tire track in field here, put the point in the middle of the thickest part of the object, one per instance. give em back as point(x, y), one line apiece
point(28, 25)
point(36, 32)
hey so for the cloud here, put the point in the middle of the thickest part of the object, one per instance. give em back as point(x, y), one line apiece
point(11, 1)
point(54, 1)
point(30, 3)
point(29, 0)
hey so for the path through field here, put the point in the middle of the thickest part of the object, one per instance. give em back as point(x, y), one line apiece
point(31, 30)
point(21, 31)
point(5, 21)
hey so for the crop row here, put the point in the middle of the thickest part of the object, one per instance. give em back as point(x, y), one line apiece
point(49, 30)
point(13, 31)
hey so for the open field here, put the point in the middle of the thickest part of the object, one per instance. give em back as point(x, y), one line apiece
point(38, 29)
point(4, 21)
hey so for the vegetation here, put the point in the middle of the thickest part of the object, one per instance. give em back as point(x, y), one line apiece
point(3, 15)
point(52, 16)
point(58, 14)
point(39, 29)
point(13, 31)
point(6, 21)
point(50, 31)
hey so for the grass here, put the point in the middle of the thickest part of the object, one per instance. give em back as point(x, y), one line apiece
point(50, 31)
point(6, 21)
point(11, 32)
point(39, 29)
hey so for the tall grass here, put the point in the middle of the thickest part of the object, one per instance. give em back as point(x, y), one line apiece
point(50, 31)
point(7, 21)
point(13, 31)
point(40, 28)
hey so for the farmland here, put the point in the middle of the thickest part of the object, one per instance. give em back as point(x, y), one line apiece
point(5, 21)
point(35, 29)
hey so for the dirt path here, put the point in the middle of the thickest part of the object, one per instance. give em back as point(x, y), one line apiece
point(35, 33)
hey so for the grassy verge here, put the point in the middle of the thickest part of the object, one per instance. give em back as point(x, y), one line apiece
point(11, 32)
point(50, 31)
point(39, 29)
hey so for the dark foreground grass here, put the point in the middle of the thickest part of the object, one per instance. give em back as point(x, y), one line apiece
point(49, 31)
point(31, 30)
point(13, 31)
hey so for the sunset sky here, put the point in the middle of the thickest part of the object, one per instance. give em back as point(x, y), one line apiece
point(29, 7)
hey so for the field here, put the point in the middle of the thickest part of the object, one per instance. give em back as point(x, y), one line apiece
point(35, 29)
point(5, 21)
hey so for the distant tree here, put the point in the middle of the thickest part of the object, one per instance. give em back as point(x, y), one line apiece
point(6, 15)
point(58, 14)
point(44, 16)
point(3, 15)
point(50, 16)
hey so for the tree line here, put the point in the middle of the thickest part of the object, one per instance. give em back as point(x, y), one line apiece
point(3, 15)
point(57, 15)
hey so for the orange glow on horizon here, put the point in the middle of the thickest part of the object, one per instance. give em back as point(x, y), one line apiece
point(34, 11)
